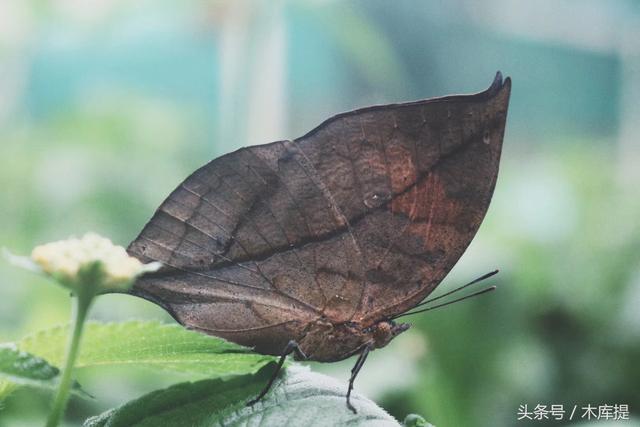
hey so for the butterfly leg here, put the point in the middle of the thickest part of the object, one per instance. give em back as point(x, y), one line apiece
point(290, 348)
point(354, 372)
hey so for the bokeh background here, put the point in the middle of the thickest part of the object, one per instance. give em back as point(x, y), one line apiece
point(106, 105)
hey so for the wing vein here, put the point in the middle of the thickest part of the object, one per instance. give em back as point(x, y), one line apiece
point(244, 216)
point(230, 282)
point(302, 215)
point(398, 236)
point(183, 239)
point(337, 212)
point(229, 234)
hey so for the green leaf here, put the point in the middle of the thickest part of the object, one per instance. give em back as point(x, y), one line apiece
point(21, 368)
point(414, 420)
point(6, 388)
point(298, 398)
point(24, 368)
point(150, 345)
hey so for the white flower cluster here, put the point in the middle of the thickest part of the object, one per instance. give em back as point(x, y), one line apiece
point(64, 260)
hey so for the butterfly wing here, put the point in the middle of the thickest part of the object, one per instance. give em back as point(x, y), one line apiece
point(360, 218)
point(253, 249)
point(415, 181)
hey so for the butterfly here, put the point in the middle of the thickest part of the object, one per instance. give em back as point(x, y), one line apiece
point(314, 246)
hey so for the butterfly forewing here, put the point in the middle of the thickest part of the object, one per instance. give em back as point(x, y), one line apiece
point(414, 182)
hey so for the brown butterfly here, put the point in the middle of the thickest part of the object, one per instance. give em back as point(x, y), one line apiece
point(315, 245)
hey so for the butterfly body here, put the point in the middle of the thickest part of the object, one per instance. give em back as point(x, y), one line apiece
point(325, 341)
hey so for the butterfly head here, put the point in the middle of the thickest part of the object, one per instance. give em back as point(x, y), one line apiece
point(383, 332)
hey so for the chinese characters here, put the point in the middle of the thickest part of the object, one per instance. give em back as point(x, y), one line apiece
point(558, 412)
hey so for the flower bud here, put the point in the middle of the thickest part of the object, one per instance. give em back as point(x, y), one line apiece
point(69, 261)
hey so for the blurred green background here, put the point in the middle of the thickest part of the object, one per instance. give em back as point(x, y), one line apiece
point(106, 105)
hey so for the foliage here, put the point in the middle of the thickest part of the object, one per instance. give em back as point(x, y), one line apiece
point(149, 345)
point(19, 368)
point(299, 398)
point(233, 375)
point(22, 368)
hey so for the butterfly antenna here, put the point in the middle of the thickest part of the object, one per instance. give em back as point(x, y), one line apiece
point(475, 294)
point(458, 289)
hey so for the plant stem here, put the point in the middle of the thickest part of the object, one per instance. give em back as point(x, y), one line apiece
point(79, 315)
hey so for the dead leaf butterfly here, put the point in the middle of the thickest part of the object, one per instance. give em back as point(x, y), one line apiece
point(315, 245)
